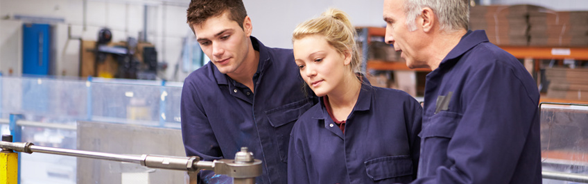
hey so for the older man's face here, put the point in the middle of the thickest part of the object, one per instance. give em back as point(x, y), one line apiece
point(398, 34)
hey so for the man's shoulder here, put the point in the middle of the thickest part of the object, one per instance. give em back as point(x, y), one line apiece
point(487, 55)
point(202, 75)
point(282, 55)
point(282, 61)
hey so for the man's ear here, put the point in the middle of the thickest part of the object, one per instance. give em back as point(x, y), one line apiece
point(428, 19)
point(247, 26)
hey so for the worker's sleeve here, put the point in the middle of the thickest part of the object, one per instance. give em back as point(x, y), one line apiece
point(490, 135)
point(197, 133)
point(297, 168)
point(413, 112)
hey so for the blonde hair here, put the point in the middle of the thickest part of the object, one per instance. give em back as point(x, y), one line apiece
point(335, 27)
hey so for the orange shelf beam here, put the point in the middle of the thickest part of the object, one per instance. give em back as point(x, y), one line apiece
point(383, 65)
point(377, 31)
point(578, 53)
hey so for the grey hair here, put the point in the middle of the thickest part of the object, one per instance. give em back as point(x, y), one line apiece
point(452, 14)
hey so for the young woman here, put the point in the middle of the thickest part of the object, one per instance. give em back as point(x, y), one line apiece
point(357, 133)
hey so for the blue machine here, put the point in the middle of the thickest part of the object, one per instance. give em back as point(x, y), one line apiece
point(36, 48)
point(36, 55)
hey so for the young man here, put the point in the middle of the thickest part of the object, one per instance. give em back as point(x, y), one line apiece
point(248, 95)
point(481, 116)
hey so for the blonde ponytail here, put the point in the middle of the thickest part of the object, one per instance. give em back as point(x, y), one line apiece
point(335, 26)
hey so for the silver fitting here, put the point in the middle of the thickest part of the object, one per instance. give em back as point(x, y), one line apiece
point(243, 167)
point(17, 146)
point(243, 156)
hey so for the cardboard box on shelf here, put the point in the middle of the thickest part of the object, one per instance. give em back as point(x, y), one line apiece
point(406, 81)
point(383, 52)
point(567, 83)
point(522, 25)
point(553, 28)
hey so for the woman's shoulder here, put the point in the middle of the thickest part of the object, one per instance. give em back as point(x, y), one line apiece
point(392, 95)
point(389, 91)
point(313, 113)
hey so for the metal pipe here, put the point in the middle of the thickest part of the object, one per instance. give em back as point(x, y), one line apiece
point(85, 11)
point(364, 49)
point(204, 165)
point(145, 14)
point(244, 181)
point(46, 125)
point(87, 154)
point(565, 176)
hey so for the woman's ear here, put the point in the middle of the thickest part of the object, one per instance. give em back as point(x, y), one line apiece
point(348, 57)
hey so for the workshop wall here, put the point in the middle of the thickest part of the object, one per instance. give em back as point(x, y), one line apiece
point(274, 25)
point(273, 22)
point(166, 28)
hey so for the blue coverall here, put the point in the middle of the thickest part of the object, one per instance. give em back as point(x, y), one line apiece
point(380, 143)
point(220, 115)
point(481, 118)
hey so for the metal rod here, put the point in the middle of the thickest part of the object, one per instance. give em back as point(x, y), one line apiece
point(46, 125)
point(87, 154)
point(205, 165)
point(243, 180)
point(4, 121)
point(364, 49)
point(565, 176)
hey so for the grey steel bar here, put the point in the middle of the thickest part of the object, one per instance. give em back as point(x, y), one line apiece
point(243, 180)
point(87, 154)
point(364, 49)
point(4, 121)
point(46, 125)
point(565, 176)
point(205, 165)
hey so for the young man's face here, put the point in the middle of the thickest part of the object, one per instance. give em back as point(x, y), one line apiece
point(398, 33)
point(224, 41)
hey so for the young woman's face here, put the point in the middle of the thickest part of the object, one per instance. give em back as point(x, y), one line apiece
point(321, 66)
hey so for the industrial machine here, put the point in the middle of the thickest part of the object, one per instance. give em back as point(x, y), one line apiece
point(243, 169)
point(130, 65)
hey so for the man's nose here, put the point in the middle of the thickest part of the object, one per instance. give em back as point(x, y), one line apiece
point(217, 50)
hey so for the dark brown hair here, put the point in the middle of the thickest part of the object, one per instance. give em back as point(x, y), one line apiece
point(200, 10)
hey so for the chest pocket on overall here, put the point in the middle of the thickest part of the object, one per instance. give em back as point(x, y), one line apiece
point(438, 130)
point(397, 168)
point(282, 119)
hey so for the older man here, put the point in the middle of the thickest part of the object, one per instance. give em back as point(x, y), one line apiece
point(481, 116)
